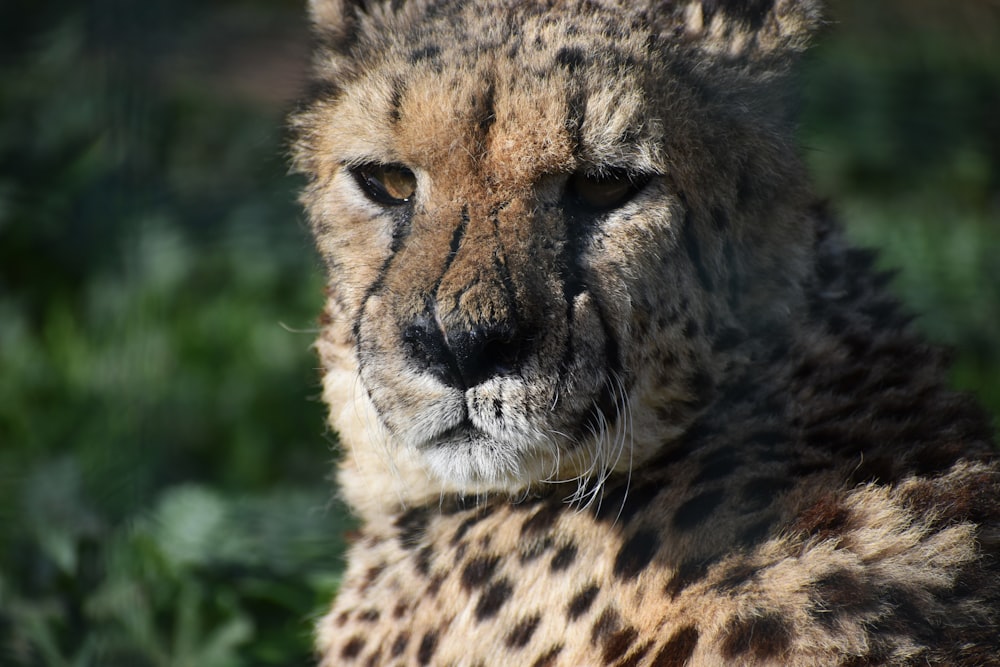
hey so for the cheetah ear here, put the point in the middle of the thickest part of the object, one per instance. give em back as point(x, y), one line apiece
point(751, 32)
point(336, 22)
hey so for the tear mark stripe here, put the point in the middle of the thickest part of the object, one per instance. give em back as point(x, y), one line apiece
point(501, 266)
point(400, 232)
point(487, 114)
point(457, 237)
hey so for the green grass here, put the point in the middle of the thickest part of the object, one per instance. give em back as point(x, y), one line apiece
point(900, 128)
point(164, 492)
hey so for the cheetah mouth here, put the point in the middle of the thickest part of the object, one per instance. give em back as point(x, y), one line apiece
point(488, 443)
point(469, 425)
point(466, 455)
point(455, 435)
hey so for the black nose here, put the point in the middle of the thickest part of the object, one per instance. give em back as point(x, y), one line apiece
point(468, 356)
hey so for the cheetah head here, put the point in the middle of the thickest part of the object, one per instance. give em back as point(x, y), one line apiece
point(548, 227)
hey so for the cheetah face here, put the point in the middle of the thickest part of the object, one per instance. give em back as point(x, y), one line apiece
point(518, 286)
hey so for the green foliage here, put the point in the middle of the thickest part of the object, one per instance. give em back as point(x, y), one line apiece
point(163, 467)
point(198, 579)
point(901, 125)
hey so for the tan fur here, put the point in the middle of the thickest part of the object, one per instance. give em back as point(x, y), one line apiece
point(687, 429)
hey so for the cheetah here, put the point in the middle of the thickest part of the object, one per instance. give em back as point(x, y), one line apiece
point(612, 386)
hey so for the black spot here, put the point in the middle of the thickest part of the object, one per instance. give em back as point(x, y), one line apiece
point(760, 492)
point(908, 615)
point(424, 53)
point(675, 452)
point(435, 585)
point(618, 643)
point(750, 12)
point(542, 520)
point(612, 503)
point(720, 218)
point(423, 560)
point(464, 527)
point(636, 656)
point(523, 631)
point(371, 576)
point(735, 576)
point(716, 469)
point(458, 503)
point(581, 602)
point(678, 649)
point(758, 637)
point(564, 558)
point(493, 598)
point(548, 658)
point(571, 57)
point(687, 574)
point(605, 625)
point(636, 554)
point(841, 592)
point(353, 647)
point(399, 610)
point(755, 533)
point(412, 525)
point(478, 571)
point(637, 499)
point(427, 646)
point(399, 645)
point(691, 514)
point(369, 616)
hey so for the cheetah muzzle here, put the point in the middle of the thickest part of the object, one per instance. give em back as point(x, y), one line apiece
point(612, 387)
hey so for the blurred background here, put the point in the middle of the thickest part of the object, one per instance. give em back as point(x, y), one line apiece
point(164, 468)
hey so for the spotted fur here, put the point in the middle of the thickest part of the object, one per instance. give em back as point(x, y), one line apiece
point(686, 428)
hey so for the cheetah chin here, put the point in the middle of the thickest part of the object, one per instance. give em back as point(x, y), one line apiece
point(611, 385)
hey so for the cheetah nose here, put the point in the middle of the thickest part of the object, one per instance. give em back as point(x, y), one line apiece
point(466, 357)
point(487, 350)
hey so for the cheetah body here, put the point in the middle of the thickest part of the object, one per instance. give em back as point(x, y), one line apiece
point(612, 387)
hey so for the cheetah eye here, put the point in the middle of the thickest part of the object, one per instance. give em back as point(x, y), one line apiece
point(607, 190)
point(386, 184)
